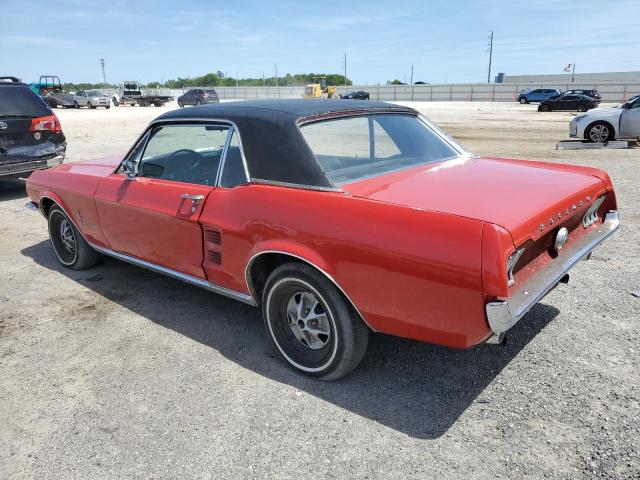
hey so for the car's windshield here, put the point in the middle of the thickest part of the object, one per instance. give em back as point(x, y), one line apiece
point(95, 94)
point(353, 148)
point(21, 101)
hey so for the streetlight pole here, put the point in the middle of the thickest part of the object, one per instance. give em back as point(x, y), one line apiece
point(276, 70)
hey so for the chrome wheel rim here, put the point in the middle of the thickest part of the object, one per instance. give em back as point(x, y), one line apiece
point(599, 133)
point(67, 237)
point(308, 320)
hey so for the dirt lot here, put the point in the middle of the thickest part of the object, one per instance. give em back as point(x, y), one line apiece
point(117, 372)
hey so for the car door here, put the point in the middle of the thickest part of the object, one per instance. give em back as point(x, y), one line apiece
point(566, 102)
point(153, 215)
point(81, 99)
point(630, 120)
point(188, 98)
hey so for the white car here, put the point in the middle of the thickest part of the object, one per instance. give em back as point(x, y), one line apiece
point(603, 124)
point(91, 99)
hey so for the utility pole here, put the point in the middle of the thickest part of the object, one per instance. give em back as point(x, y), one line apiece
point(276, 70)
point(573, 71)
point(411, 81)
point(236, 79)
point(490, 56)
point(104, 76)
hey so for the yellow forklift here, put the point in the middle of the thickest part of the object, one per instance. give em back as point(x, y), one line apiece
point(320, 89)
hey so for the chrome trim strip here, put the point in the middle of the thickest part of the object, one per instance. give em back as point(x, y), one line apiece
point(295, 185)
point(254, 294)
point(198, 282)
point(223, 156)
point(502, 315)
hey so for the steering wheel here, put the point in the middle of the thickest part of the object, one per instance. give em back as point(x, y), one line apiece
point(181, 164)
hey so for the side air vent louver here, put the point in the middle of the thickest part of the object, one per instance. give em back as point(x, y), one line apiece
point(591, 215)
point(213, 236)
point(215, 257)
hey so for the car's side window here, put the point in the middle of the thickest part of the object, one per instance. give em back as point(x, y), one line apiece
point(233, 172)
point(184, 153)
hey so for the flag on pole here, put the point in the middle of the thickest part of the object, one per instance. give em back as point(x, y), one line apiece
point(567, 68)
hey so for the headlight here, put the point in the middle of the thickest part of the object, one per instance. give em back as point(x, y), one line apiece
point(511, 262)
point(577, 118)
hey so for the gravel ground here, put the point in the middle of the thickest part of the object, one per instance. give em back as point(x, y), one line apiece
point(116, 372)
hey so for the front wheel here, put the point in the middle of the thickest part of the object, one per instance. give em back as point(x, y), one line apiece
point(544, 108)
point(582, 108)
point(599, 132)
point(180, 104)
point(311, 323)
point(90, 105)
point(70, 247)
point(75, 105)
point(523, 101)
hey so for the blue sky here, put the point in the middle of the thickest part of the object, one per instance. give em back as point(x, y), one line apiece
point(446, 41)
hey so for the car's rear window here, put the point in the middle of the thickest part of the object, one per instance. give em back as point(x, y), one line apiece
point(21, 101)
point(353, 148)
point(210, 92)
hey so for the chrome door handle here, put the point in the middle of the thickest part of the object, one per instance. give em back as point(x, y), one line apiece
point(195, 200)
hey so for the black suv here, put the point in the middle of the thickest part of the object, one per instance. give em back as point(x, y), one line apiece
point(31, 137)
point(198, 96)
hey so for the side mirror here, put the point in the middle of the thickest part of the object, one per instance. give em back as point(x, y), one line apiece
point(130, 168)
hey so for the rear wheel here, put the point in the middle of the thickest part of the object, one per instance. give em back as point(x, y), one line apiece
point(599, 132)
point(311, 323)
point(70, 247)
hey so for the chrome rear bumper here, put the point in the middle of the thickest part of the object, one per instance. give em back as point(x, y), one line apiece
point(502, 315)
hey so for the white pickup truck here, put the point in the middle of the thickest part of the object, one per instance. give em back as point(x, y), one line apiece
point(604, 124)
point(129, 92)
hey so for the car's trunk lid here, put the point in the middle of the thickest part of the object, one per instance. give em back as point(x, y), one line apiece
point(526, 198)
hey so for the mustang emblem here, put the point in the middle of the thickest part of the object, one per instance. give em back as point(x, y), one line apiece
point(3, 125)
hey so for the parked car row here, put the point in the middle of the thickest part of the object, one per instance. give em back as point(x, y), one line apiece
point(550, 99)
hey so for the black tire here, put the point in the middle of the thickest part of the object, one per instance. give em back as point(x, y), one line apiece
point(343, 337)
point(544, 108)
point(90, 105)
point(75, 105)
point(599, 132)
point(582, 108)
point(108, 107)
point(114, 101)
point(198, 103)
point(180, 104)
point(523, 100)
point(68, 244)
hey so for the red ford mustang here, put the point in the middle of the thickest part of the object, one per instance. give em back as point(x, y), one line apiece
point(337, 218)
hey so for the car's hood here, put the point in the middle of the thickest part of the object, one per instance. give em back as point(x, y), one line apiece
point(604, 112)
point(517, 195)
point(100, 167)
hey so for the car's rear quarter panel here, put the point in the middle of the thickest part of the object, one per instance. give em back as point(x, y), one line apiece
point(409, 272)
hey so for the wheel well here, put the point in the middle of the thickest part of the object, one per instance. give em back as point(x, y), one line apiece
point(586, 130)
point(45, 205)
point(261, 268)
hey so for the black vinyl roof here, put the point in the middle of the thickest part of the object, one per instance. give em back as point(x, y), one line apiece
point(274, 149)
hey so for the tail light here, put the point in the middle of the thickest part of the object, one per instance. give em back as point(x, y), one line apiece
point(49, 123)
